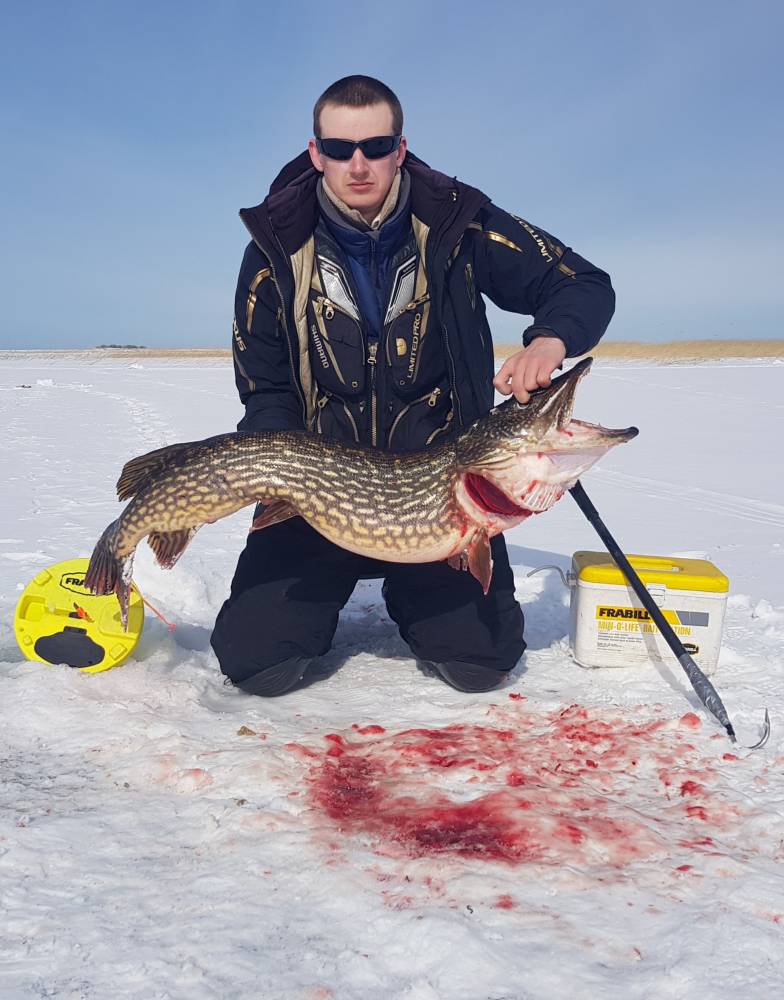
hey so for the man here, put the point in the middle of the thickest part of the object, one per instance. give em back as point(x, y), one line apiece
point(360, 315)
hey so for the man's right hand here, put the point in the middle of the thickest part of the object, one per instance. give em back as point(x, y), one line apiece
point(531, 368)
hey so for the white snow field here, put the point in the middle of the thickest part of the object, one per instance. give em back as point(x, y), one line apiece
point(375, 834)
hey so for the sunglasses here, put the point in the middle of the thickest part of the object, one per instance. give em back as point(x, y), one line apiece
point(372, 149)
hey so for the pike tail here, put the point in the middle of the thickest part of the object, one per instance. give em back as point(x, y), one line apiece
point(109, 574)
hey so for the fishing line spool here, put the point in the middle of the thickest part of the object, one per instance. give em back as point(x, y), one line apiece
point(57, 620)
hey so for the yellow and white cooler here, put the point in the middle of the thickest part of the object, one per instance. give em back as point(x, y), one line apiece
point(610, 627)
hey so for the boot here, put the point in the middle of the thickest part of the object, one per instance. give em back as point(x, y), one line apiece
point(469, 676)
point(277, 679)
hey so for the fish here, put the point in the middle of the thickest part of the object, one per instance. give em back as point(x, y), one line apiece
point(442, 503)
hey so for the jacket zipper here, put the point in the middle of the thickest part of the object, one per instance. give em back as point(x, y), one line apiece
point(415, 303)
point(328, 308)
point(320, 404)
point(445, 335)
point(440, 430)
point(352, 421)
point(284, 320)
point(452, 378)
point(432, 399)
point(471, 289)
point(374, 263)
point(371, 360)
point(410, 307)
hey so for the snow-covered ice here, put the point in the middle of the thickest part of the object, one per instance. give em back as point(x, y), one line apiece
point(375, 834)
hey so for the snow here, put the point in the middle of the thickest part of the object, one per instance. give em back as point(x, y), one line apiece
point(587, 833)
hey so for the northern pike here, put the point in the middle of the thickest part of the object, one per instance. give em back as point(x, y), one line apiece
point(444, 502)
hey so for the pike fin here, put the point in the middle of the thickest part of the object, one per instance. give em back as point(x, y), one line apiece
point(480, 560)
point(107, 574)
point(168, 546)
point(137, 473)
point(477, 558)
point(273, 513)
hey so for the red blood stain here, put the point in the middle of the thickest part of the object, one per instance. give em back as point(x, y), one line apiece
point(505, 902)
point(728, 756)
point(699, 842)
point(691, 721)
point(523, 791)
point(571, 833)
point(683, 868)
point(519, 792)
point(301, 751)
point(516, 697)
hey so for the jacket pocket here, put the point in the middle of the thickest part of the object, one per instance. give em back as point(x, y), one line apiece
point(422, 420)
point(336, 347)
point(335, 418)
point(414, 352)
point(470, 285)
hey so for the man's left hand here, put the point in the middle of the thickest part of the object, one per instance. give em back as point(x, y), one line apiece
point(531, 368)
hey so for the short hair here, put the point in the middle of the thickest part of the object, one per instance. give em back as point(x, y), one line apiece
point(358, 92)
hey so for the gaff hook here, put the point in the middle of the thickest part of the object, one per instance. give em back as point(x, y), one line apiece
point(705, 691)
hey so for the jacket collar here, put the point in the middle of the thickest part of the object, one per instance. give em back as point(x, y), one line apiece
point(329, 200)
point(357, 241)
point(289, 214)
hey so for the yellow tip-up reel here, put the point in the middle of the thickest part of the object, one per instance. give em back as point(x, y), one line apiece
point(57, 620)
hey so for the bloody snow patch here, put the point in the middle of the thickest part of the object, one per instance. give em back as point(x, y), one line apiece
point(567, 787)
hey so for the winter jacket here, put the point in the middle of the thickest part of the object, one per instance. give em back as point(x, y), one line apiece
point(307, 354)
point(370, 252)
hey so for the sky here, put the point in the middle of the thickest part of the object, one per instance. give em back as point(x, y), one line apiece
point(647, 137)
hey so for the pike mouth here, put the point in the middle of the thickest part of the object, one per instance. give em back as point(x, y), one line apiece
point(490, 498)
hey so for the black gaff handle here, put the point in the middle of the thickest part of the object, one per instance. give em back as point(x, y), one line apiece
point(703, 688)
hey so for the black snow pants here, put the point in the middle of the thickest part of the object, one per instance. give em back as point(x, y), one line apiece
point(291, 582)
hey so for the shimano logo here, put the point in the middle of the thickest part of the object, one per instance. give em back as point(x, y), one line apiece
point(319, 346)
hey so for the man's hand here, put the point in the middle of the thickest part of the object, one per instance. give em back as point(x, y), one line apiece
point(530, 368)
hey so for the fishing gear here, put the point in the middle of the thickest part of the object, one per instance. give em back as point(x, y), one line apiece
point(703, 688)
point(58, 620)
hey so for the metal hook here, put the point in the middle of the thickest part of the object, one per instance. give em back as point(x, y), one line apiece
point(765, 734)
point(558, 570)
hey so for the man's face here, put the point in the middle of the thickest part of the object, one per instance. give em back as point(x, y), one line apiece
point(361, 183)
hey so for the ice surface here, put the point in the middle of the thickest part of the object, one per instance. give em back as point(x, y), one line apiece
point(377, 834)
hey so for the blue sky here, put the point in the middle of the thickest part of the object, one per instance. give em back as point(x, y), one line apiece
point(648, 137)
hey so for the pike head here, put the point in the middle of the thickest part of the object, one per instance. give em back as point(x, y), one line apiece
point(522, 457)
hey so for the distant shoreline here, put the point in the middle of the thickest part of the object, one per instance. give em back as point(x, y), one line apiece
point(619, 350)
point(676, 350)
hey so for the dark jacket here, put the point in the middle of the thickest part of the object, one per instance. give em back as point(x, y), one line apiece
point(370, 252)
point(305, 355)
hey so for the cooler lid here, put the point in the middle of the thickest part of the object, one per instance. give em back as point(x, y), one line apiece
point(668, 571)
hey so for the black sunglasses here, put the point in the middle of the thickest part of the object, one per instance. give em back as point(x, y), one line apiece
point(372, 149)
